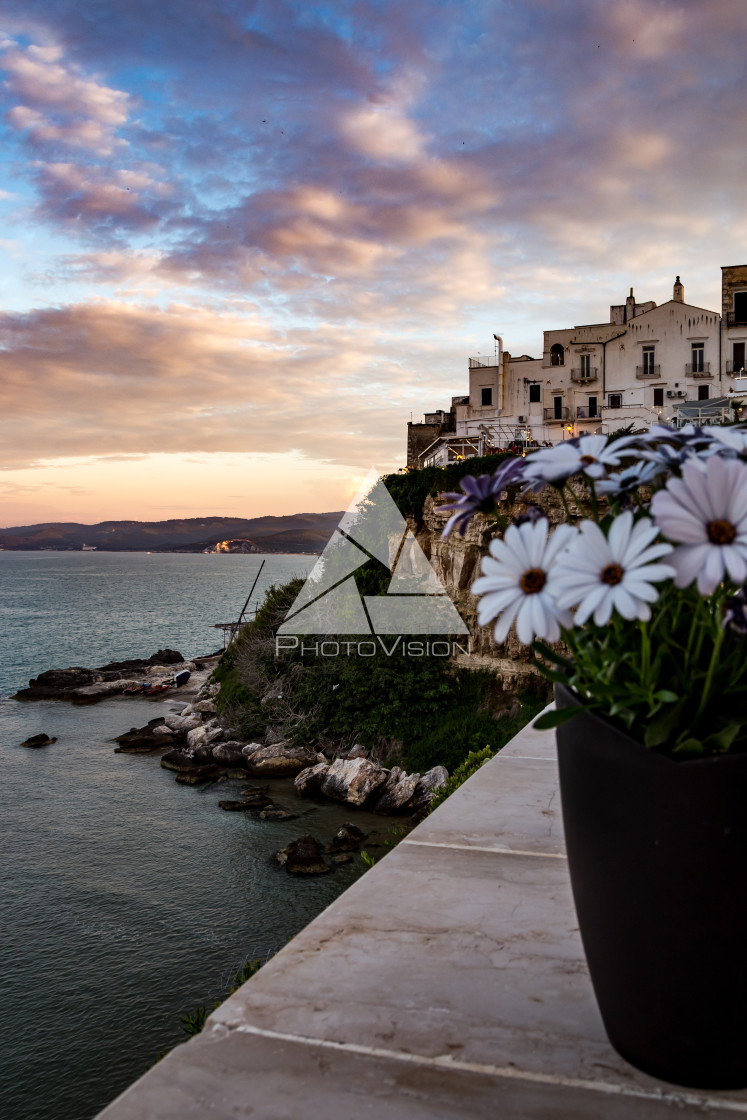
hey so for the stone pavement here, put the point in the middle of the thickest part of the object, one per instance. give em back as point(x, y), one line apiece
point(448, 983)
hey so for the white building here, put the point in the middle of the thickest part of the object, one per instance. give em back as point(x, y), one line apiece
point(641, 367)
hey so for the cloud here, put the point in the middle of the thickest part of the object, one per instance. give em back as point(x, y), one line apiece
point(57, 104)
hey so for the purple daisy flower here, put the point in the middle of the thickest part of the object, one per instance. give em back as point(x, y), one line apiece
point(479, 495)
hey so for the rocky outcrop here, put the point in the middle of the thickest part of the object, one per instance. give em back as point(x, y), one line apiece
point(352, 780)
point(87, 686)
point(310, 780)
point(348, 838)
point(277, 761)
point(428, 785)
point(397, 792)
point(151, 737)
point(303, 857)
point(42, 740)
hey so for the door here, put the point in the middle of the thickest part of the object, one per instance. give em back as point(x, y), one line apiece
point(702, 392)
point(557, 404)
point(738, 357)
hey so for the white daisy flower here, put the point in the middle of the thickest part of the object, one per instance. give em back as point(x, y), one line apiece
point(514, 583)
point(706, 510)
point(593, 455)
point(600, 574)
point(727, 440)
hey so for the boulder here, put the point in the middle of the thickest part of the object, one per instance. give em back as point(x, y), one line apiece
point(197, 774)
point(310, 779)
point(352, 780)
point(160, 671)
point(140, 740)
point(341, 857)
point(196, 737)
point(249, 748)
point(177, 760)
point(348, 838)
point(429, 782)
point(188, 710)
point(39, 741)
point(358, 751)
point(236, 806)
point(303, 857)
point(205, 706)
point(277, 761)
point(228, 756)
point(276, 815)
point(203, 754)
point(163, 729)
point(165, 657)
point(182, 723)
point(397, 792)
point(272, 735)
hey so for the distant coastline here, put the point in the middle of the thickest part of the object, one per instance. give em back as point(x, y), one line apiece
point(293, 534)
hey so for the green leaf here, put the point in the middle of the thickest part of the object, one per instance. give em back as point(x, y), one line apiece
point(555, 718)
point(690, 747)
point(666, 696)
point(722, 740)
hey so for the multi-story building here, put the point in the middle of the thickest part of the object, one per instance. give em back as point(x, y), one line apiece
point(670, 363)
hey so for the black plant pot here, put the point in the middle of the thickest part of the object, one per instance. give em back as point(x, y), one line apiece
point(657, 851)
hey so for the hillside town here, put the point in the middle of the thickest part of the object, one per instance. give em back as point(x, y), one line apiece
point(671, 363)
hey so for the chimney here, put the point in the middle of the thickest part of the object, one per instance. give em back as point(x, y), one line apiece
point(678, 292)
point(630, 307)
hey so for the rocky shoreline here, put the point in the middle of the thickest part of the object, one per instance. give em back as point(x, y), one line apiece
point(199, 749)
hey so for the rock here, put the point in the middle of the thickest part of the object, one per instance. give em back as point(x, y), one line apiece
point(165, 657)
point(348, 838)
point(352, 780)
point(249, 748)
point(228, 756)
point(342, 857)
point(236, 806)
point(203, 753)
point(310, 779)
point(163, 730)
point(140, 740)
point(182, 723)
point(357, 751)
point(397, 792)
point(177, 760)
point(429, 782)
point(160, 671)
point(273, 736)
point(277, 762)
point(39, 741)
point(303, 857)
point(237, 775)
point(189, 710)
point(276, 815)
point(205, 706)
point(196, 737)
point(197, 775)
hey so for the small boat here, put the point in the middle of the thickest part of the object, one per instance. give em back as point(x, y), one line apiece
point(181, 677)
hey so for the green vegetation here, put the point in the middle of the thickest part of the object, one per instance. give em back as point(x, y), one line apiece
point(194, 1023)
point(411, 488)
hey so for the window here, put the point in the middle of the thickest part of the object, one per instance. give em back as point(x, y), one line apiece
point(486, 395)
point(557, 355)
point(738, 357)
point(535, 393)
point(593, 408)
point(702, 392)
point(740, 307)
point(698, 350)
point(557, 404)
point(586, 365)
point(659, 398)
point(649, 360)
point(615, 400)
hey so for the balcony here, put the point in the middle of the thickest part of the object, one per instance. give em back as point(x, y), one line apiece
point(483, 363)
point(590, 373)
point(583, 412)
point(698, 369)
point(645, 373)
point(556, 415)
point(735, 367)
point(736, 319)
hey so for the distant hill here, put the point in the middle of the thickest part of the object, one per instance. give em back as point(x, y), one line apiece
point(298, 532)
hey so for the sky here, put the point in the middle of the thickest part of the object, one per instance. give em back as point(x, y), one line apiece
point(241, 244)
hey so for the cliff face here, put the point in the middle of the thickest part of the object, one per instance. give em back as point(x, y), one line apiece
point(456, 562)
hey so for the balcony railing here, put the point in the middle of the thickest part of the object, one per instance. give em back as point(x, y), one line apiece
point(698, 369)
point(736, 319)
point(557, 414)
point(483, 363)
point(586, 413)
point(644, 372)
point(734, 367)
point(588, 373)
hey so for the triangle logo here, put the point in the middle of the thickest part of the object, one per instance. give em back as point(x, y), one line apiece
point(415, 602)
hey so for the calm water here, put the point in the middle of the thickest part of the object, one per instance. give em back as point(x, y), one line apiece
point(126, 900)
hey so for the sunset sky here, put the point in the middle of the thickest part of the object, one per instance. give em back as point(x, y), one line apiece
point(242, 242)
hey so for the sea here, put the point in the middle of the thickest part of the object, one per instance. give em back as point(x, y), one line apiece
point(126, 901)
